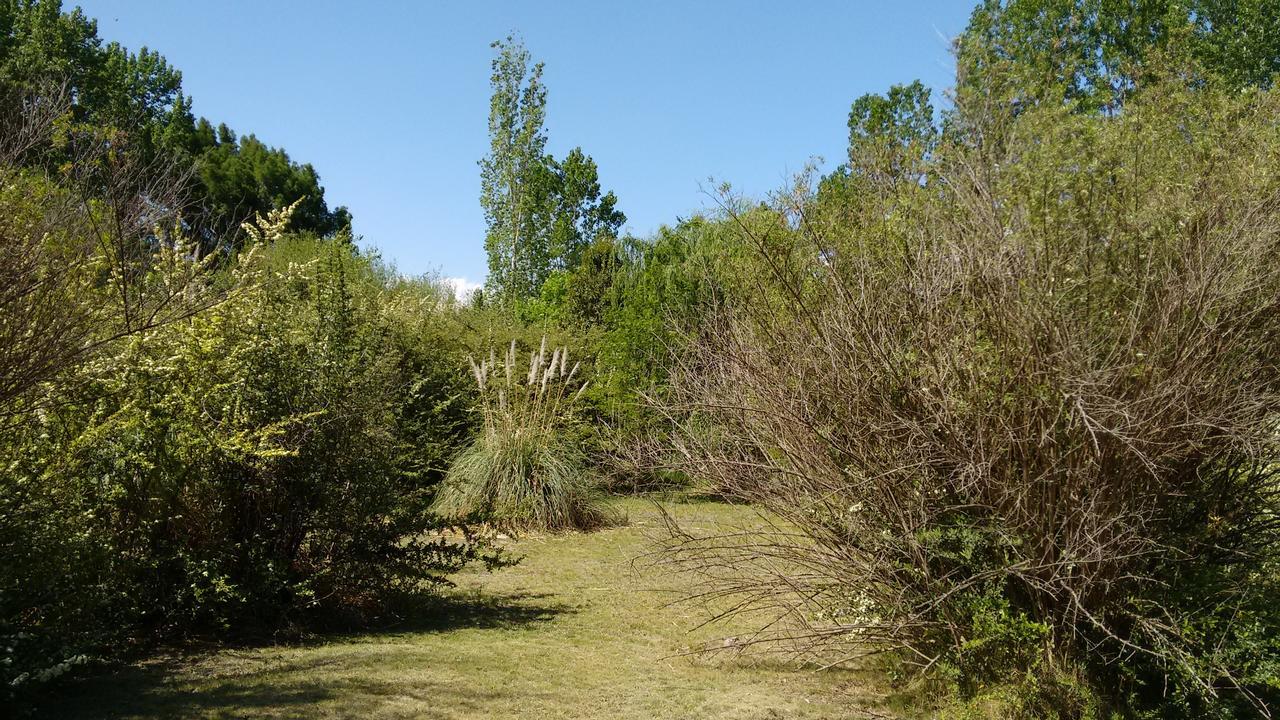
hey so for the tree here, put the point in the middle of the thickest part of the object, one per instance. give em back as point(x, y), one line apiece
point(1090, 53)
point(891, 134)
point(245, 177)
point(38, 42)
point(590, 289)
point(138, 99)
point(891, 137)
point(583, 216)
point(513, 176)
point(541, 212)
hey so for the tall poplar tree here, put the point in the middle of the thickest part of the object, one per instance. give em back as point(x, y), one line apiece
point(541, 214)
point(514, 176)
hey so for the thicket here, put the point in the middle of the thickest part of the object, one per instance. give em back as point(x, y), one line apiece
point(1014, 404)
point(240, 445)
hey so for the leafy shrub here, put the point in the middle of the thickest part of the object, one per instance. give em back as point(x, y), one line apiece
point(1018, 418)
point(254, 470)
point(524, 471)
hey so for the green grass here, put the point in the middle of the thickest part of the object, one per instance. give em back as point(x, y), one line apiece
point(575, 631)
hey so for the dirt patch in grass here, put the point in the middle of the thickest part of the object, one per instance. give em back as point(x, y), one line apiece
point(577, 630)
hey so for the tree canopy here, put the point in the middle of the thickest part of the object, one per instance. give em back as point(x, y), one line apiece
point(541, 212)
point(1090, 53)
point(138, 99)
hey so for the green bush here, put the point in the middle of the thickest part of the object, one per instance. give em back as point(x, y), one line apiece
point(264, 467)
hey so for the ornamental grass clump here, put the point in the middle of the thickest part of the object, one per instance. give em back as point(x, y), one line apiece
point(524, 472)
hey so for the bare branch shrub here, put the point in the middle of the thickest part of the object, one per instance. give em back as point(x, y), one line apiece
point(1022, 415)
point(91, 249)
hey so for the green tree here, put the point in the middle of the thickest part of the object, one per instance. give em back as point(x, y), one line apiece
point(514, 177)
point(583, 215)
point(243, 177)
point(136, 100)
point(1090, 53)
point(590, 293)
point(39, 43)
point(541, 213)
point(893, 131)
point(891, 137)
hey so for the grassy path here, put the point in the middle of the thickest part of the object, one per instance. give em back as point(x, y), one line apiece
point(571, 632)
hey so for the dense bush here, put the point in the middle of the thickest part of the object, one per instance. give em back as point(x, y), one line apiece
point(1018, 415)
point(261, 467)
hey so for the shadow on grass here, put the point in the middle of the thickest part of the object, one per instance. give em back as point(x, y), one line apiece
point(238, 681)
point(477, 609)
point(146, 691)
point(290, 690)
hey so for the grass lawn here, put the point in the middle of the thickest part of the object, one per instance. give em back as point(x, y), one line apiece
point(574, 631)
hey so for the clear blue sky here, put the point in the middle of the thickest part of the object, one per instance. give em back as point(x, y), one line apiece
point(389, 100)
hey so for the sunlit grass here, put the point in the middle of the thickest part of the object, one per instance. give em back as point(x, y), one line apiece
point(577, 630)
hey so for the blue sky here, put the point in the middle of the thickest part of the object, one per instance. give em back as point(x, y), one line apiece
point(389, 100)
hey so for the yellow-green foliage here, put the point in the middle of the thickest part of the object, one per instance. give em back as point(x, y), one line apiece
point(260, 467)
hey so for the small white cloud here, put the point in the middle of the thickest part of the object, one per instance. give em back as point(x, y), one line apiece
point(462, 287)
